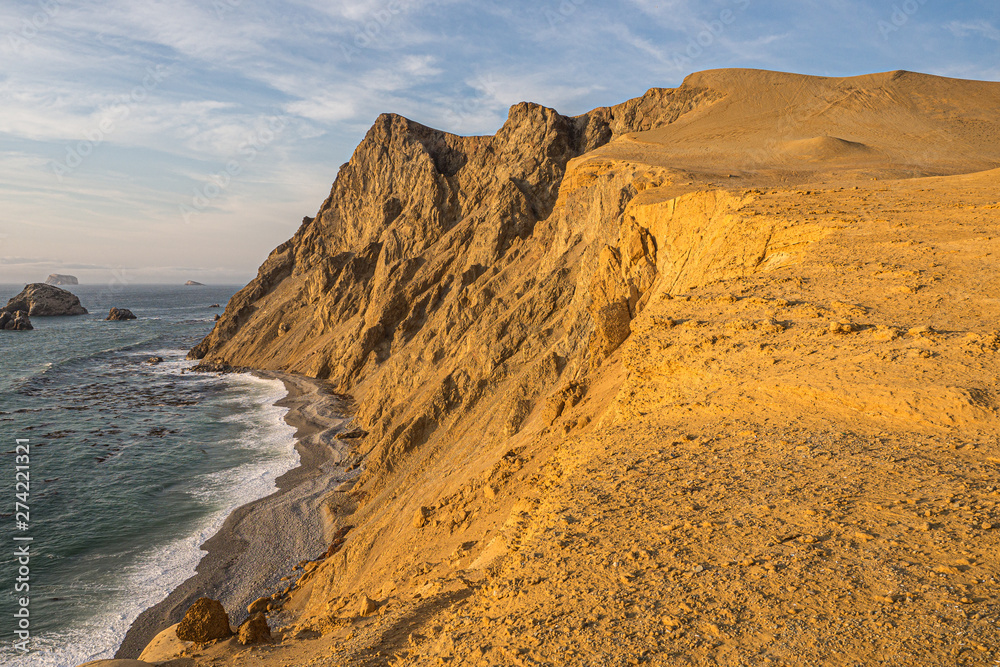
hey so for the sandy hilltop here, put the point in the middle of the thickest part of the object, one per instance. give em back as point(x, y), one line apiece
point(707, 377)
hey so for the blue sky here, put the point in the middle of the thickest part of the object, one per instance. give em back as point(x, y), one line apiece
point(167, 140)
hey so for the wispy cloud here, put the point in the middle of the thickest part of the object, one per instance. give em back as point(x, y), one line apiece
point(981, 28)
point(328, 68)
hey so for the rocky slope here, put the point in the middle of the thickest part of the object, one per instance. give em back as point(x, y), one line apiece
point(709, 375)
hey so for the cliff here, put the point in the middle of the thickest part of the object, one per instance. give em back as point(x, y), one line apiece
point(588, 350)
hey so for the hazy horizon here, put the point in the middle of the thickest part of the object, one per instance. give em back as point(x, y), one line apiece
point(176, 141)
point(126, 285)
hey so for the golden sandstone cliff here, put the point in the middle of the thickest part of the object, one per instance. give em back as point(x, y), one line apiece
point(707, 377)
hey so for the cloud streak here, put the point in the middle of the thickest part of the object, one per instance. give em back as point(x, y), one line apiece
point(980, 27)
point(329, 68)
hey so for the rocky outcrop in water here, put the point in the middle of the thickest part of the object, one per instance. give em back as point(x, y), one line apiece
point(120, 315)
point(193, 283)
point(59, 279)
point(39, 299)
point(15, 321)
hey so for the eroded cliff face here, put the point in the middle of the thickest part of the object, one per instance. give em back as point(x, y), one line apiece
point(527, 320)
point(436, 273)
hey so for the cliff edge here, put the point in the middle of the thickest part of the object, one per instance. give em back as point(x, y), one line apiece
point(710, 372)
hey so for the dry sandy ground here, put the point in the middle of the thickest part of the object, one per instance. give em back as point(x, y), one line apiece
point(793, 458)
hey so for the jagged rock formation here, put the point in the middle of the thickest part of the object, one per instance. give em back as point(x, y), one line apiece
point(615, 282)
point(119, 315)
point(410, 254)
point(59, 279)
point(15, 321)
point(39, 299)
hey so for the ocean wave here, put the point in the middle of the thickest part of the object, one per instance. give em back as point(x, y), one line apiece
point(47, 367)
point(158, 571)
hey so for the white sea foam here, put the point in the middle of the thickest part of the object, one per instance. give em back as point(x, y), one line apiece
point(156, 573)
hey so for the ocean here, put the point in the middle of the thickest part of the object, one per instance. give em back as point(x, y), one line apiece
point(132, 466)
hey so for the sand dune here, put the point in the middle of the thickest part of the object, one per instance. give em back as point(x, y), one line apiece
point(917, 124)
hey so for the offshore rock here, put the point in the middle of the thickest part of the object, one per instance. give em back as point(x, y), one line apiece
point(59, 279)
point(119, 315)
point(39, 299)
point(219, 367)
point(16, 321)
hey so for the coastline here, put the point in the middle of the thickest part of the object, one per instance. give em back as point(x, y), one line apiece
point(277, 531)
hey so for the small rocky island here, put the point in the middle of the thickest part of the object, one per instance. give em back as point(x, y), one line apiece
point(193, 283)
point(39, 299)
point(60, 279)
point(119, 315)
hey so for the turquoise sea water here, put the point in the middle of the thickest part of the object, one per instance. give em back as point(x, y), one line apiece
point(132, 466)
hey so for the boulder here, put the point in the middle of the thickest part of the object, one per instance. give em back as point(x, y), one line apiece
point(39, 299)
point(366, 606)
point(59, 279)
point(215, 305)
point(254, 631)
point(152, 361)
point(120, 315)
point(205, 621)
point(259, 606)
point(16, 321)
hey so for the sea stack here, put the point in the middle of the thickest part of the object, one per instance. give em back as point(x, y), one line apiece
point(120, 315)
point(193, 283)
point(60, 279)
point(39, 299)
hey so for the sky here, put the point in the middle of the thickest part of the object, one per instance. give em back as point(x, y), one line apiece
point(170, 140)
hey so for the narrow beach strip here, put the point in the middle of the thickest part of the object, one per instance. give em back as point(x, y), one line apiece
point(260, 542)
